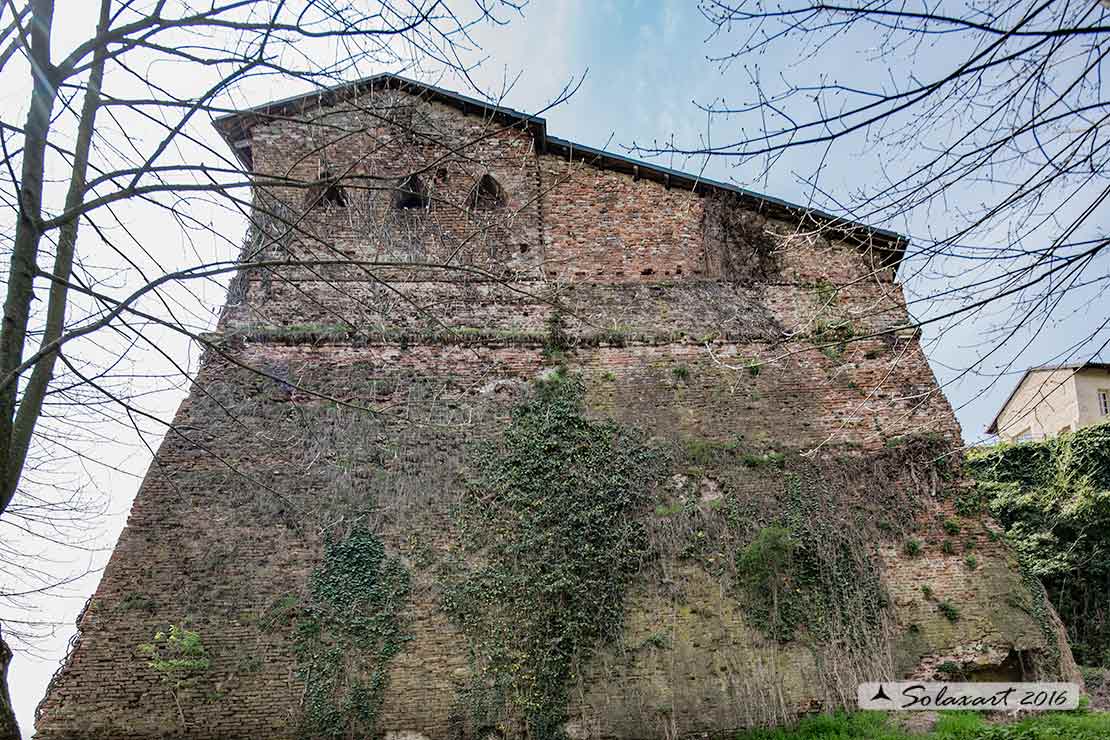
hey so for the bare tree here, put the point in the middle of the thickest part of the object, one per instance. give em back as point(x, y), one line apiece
point(108, 131)
point(988, 123)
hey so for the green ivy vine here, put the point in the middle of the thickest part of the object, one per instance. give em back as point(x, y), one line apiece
point(1053, 499)
point(806, 573)
point(552, 524)
point(348, 633)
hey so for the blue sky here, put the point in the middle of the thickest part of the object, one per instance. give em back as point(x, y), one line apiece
point(645, 66)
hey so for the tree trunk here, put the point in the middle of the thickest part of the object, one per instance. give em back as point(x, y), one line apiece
point(9, 728)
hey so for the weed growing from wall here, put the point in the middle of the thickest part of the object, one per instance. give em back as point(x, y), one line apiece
point(176, 654)
point(556, 339)
point(179, 657)
point(348, 633)
point(552, 522)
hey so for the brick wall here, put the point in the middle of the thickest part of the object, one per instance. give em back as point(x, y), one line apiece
point(275, 437)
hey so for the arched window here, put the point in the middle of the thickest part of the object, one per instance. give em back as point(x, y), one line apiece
point(327, 193)
point(411, 194)
point(335, 195)
point(487, 194)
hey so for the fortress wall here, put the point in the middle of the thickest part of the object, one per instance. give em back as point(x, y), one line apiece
point(328, 398)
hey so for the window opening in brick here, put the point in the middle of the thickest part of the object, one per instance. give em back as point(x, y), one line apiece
point(487, 194)
point(328, 193)
point(411, 194)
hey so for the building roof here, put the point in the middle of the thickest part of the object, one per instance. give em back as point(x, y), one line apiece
point(235, 129)
point(1077, 366)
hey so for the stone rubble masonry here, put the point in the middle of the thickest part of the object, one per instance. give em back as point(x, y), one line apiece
point(442, 350)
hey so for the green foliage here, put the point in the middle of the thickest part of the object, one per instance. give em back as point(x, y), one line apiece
point(949, 610)
point(657, 640)
point(347, 635)
point(138, 602)
point(278, 613)
point(826, 291)
point(1052, 497)
point(753, 367)
point(766, 568)
point(951, 668)
point(972, 501)
point(808, 574)
point(948, 548)
point(951, 526)
point(912, 547)
point(668, 509)
point(557, 339)
point(555, 509)
point(1093, 678)
point(972, 562)
point(680, 372)
point(1077, 725)
point(927, 591)
point(177, 655)
point(832, 337)
point(701, 452)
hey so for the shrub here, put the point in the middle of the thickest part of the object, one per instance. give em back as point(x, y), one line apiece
point(951, 668)
point(1049, 497)
point(176, 654)
point(949, 610)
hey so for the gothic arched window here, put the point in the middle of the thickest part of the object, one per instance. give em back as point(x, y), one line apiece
point(327, 192)
point(411, 194)
point(487, 194)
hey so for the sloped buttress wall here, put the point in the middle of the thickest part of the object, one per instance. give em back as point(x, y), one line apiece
point(327, 523)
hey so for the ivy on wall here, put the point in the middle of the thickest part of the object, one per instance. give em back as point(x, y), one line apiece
point(809, 574)
point(1053, 499)
point(348, 633)
point(552, 524)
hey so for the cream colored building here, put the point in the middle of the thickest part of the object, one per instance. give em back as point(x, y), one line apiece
point(1053, 399)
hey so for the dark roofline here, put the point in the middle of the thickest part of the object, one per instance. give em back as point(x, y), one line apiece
point(993, 428)
point(235, 129)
